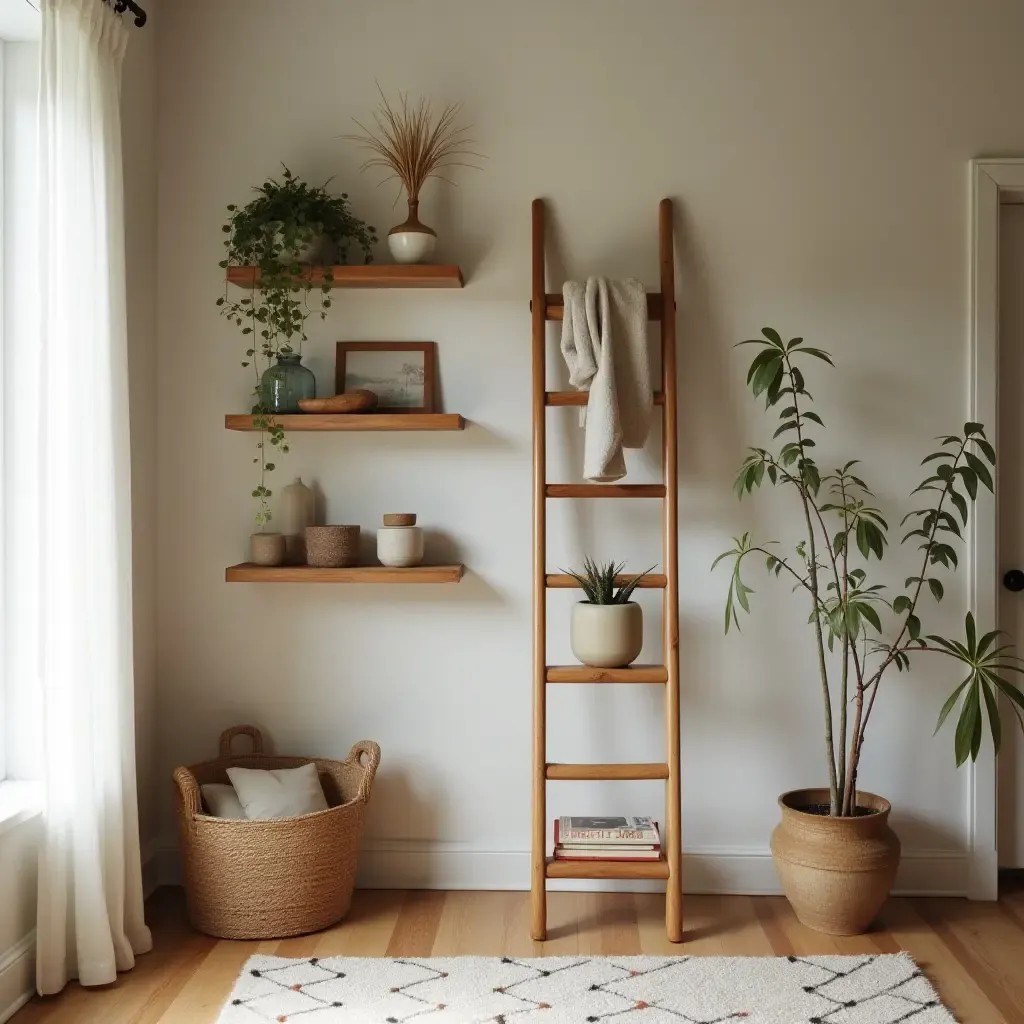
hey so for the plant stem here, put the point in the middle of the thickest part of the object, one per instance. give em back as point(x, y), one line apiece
point(812, 570)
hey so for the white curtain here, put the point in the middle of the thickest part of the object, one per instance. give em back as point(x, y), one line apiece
point(91, 922)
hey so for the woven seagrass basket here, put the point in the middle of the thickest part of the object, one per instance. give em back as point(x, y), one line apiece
point(274, 878)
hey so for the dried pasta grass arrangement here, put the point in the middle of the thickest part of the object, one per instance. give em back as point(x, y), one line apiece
point(409, 142)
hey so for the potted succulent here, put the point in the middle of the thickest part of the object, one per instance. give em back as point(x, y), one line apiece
point(288, 223)
point(607, 629)
point(834, 851)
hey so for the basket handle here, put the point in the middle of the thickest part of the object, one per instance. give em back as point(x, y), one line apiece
point(189, 788)
point(366, 754)
point(228, 735)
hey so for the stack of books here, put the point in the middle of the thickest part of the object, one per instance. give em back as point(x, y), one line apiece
point(609, 838)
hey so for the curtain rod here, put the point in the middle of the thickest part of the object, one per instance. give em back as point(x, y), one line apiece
point(120, 6)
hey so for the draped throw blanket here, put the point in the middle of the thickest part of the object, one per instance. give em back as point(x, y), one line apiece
point(604, 343)
point(90, 918)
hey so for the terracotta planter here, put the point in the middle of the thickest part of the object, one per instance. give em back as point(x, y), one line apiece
point(836, 872)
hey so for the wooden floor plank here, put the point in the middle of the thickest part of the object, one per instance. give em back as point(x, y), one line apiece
point(972, 952)
point(954, 982)
point(416, 927)
point(368, 928)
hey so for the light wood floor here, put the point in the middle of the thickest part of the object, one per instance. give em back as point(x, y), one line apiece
point(973, 952)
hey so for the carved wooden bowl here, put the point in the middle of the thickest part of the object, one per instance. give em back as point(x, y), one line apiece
point(359, 400)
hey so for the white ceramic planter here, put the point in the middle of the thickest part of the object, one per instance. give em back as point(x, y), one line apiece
point(607, 635)
point(400, 546)
point(412, 246)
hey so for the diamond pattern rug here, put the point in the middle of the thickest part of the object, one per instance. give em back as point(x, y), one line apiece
point(585, 990)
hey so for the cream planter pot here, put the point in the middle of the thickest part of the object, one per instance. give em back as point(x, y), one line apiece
point(400, 546)
point(412, 246)
point(607, 635)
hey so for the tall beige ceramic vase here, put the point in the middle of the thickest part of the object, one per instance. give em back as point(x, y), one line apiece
point(836, 872)
point(298, 506)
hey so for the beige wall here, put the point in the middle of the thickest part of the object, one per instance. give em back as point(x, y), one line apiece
point(817, 152)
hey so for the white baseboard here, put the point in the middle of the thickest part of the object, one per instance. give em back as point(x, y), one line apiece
point(17, 976)
point(418, 864)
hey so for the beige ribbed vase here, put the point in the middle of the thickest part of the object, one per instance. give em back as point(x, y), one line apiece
point(836, 872)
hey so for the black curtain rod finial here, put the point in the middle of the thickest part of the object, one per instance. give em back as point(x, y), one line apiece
point(120, 6)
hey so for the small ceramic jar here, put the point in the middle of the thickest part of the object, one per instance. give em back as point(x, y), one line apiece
point(266, 548)
point(400, 541)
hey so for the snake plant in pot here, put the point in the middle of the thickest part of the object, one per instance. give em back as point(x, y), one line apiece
point(607, 629)
point(834, 851)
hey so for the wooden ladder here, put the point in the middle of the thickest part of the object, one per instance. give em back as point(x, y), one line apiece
point(660, 306)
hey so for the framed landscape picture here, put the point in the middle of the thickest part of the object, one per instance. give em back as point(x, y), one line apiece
point(402, 374)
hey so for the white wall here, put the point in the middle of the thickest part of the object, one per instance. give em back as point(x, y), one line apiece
point(818, 156)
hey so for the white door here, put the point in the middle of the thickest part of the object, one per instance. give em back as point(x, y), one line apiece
point(1011, 514)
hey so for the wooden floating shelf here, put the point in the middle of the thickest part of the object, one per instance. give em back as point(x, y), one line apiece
point(590, 674)
point(249, 572)
point(606, 868)
point(417, 275)
point(563, 581)
point(353, 421)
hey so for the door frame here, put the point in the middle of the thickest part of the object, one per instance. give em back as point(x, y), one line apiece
point(991, 180)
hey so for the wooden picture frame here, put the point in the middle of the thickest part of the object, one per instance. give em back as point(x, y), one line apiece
point(398, 387)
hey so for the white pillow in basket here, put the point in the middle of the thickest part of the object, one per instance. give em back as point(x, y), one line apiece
point(279, 792)
point(222, 801)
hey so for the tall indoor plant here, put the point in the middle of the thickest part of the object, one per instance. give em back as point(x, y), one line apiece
point(861, 632)
point(289, 225)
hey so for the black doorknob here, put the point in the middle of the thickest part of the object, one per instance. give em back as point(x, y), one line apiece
point(1014, 580)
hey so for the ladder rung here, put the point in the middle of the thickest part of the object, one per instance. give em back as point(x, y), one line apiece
point(605, 490)
point(605, 772)
point(606, 868)
point(555, 309)
point(592, 674)
point(563, 581)
point(582, 397)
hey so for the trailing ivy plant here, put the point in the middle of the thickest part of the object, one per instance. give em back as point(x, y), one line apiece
point(269, 235)
point(860, 631)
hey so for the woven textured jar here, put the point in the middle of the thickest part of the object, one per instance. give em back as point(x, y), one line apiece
point(272, 878)
point(332, 547)
point(836, 872)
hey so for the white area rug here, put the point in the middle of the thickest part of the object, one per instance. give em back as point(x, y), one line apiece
point(585, 990)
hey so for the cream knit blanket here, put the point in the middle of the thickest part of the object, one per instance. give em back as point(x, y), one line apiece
point(604, 343)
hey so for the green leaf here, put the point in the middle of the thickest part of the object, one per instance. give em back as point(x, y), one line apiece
point(949, 705)
point(773, 336)
point(980, 469)
point(972, 634)
point(973, 428)
point(936, 588)
point(766, 374)
point(913, 626)
point(986, 449)
point(870, 614)
point(995, 724)
point(814, 418)
point(968, 725)
point(970, 481)
point(760, 360)
point(960, 503)
point(901, 604)
point(819, 354)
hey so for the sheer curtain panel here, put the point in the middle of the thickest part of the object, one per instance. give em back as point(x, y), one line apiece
point(91, 922)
